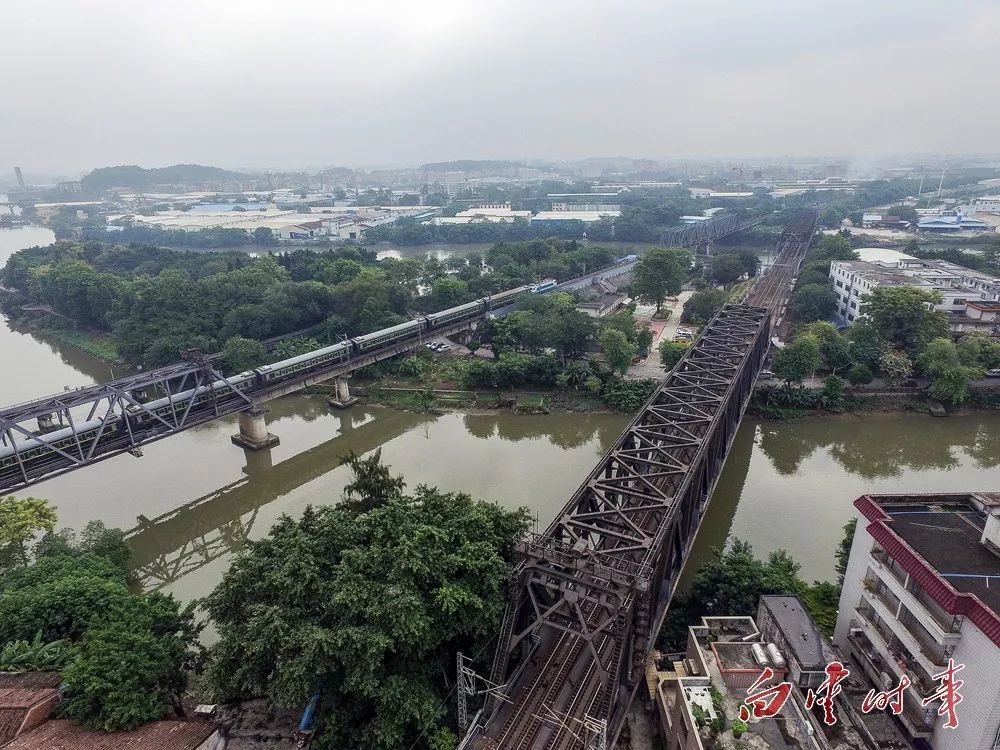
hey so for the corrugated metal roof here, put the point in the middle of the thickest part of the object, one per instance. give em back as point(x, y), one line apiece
point(60, 734)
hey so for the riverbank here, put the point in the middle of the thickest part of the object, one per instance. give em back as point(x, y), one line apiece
point(97, 344)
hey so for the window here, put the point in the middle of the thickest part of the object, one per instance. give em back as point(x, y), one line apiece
point(840, 284)
point(850, 317)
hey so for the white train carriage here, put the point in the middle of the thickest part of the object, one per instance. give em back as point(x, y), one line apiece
point(471, 309)
point(340, 352)
point(32, 449)
point(387, 335)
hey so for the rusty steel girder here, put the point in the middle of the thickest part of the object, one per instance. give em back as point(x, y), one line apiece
point(603, 571)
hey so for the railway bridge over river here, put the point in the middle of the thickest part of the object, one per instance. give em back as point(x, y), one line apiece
point(589, 595)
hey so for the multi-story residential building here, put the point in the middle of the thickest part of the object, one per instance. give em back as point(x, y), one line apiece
point(784, 622)
point(853, 280)
point(922, 587)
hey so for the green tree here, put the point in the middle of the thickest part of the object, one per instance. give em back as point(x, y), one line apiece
point(373, 485)
point(833, 346)
point(904, 316)
point(950, 376)
point(833, 247)
point(865, 344)
point(368, 609)
point(812, 302)
point(660, 273)
point(843, 552)
point(726, 269)
point(859, 374)
point(123, 676)
point(263, 236)
point(895, 367)
point(701, 306)
point(617, 349)
point(241, 354)
point(832, 393)
point(644, 340)
point(671, 353)
point(798, 360)
point(21, 521)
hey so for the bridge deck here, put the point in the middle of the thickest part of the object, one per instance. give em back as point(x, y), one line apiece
point(592, 591)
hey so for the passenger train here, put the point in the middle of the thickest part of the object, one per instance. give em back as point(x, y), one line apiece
point(149, 416)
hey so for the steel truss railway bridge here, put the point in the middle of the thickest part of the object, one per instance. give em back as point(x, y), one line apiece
point(112, 402)
point(589, 595)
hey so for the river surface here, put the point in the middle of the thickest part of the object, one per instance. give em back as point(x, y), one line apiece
point(194, 499)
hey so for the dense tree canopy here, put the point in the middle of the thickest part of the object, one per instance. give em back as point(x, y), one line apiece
point(660, 273)
point(158, 302)
point(128, 653)
point(366, 608)
point(904, 316)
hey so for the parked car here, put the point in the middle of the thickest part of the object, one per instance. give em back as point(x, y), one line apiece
point(444, 347)
point(993, 373)
point(766, 375)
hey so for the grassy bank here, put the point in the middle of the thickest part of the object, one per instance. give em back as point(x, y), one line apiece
point(808, 403)
point(96, 343)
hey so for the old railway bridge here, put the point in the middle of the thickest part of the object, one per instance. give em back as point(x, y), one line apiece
point(588, 596)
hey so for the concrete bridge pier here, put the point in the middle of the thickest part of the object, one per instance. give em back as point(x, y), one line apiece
point(340, 397)
point(253, 432)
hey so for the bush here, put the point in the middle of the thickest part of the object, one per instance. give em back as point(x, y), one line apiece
point(859, 375)
point(739, 728)
point(628, 395)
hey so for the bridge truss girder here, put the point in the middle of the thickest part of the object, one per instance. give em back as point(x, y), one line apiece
point(116, 404)
point(607, 565)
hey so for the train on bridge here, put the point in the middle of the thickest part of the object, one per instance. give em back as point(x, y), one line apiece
point(31, 453)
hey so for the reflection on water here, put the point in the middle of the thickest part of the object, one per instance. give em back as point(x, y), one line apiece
point(34, 364)
point(193, 499)
point(202, 498)
point(791, 485)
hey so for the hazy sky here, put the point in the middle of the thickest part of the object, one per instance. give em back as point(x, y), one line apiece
point(263, 83)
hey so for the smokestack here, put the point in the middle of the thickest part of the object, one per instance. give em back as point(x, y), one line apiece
point(20, 177)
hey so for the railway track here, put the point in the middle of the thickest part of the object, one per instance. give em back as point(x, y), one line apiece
point(565, 682)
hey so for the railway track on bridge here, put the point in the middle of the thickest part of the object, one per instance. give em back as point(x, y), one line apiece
point(594, 588)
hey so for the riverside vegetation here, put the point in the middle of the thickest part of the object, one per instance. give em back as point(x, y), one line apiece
point(364, 603)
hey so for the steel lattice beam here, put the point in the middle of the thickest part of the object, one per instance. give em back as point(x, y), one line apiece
point(594, 587)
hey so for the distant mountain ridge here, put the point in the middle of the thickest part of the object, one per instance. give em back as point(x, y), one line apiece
point(138, 178)
point(469, 165)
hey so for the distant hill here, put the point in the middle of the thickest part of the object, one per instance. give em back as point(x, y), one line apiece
point(470, 165)
point(139, 178)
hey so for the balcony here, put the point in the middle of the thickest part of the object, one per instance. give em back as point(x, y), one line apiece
point(944, 626)
point(886, 563)
point(947, 622)
point(894, 654)
point(918, 720)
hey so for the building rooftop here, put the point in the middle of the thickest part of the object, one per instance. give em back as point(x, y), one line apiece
point(60, 734)
point(938, 541)
point(884, 276)
point(881, 255)
point(799, 629)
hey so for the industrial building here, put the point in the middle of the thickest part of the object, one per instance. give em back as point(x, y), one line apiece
point(853, 280)
point(953, 223)
point(922, 587)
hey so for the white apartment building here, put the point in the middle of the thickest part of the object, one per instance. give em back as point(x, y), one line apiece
point(923, 586)
point(853, 280)
point(987, 204)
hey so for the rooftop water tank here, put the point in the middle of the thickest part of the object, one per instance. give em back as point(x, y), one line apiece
point(776, 657)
